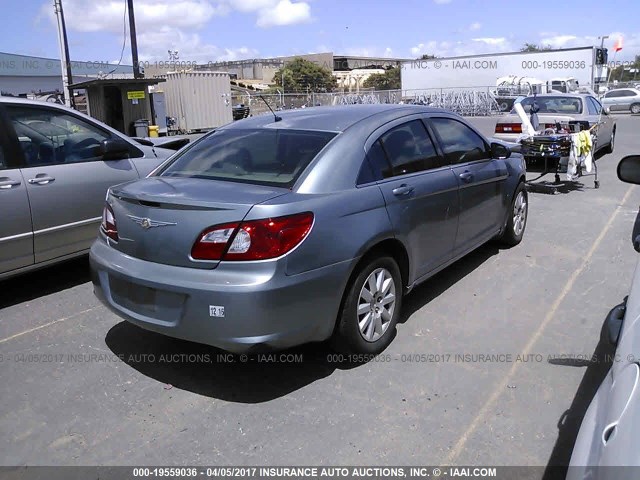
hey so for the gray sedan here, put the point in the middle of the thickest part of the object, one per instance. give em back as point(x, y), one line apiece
point(55, 167)
point(304, 226)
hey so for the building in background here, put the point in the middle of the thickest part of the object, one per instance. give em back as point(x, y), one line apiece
point(262, 70)
point(27, 76)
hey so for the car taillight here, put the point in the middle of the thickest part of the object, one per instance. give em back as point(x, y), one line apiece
point(253, 239)
point(508, 128)
point(109, 223)
point(212, 243)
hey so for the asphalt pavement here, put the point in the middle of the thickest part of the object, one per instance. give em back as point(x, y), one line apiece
point(492, 363)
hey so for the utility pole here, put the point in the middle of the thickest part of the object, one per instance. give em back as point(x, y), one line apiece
point(65, 64)
point(603, 38)
point(134, 42)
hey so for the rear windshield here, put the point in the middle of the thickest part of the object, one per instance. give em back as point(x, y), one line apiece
point(554, 104)
point(262, 156)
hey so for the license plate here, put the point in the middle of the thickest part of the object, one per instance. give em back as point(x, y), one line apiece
point(216, 311)
point(144, 296)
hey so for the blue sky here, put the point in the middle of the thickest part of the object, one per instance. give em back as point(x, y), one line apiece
point(214, 30)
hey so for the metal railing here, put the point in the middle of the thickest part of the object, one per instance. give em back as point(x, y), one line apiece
point(467, 101)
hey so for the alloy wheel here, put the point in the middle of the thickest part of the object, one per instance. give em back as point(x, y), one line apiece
point(519, 214)
point(376, 304)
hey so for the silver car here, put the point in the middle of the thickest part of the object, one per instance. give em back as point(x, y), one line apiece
point(275, 231)
point(55, 167)
point(562, 108)
point(606, 442)
point(623, 100)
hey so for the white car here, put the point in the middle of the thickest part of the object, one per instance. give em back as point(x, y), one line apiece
point(622, 100)
point(607, 439)
point(561, 108)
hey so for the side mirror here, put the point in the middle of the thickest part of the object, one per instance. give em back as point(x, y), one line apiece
point(114, 149)
point(606, 110)
point(629, 169)
point(500, 151)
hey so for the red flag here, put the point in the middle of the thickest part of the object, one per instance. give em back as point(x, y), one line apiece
point(618, 46)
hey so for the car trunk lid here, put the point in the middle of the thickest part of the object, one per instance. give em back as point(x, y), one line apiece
point(160, 218)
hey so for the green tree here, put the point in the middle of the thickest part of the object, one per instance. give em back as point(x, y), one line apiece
point(302, 76)
point(625, 71)
point(389, 80)
point(532, 47)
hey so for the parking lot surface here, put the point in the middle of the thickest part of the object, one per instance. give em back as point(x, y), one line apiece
point(492, 363)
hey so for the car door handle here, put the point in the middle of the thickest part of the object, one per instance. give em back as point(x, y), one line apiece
point(402, 190)
point(6, 184)
point(41, 180)
point(466, 177)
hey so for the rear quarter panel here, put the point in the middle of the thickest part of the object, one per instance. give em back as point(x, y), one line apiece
point(346, 224)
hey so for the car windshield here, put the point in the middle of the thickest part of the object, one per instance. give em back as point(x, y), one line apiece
point(553, 104)
point(273, 157)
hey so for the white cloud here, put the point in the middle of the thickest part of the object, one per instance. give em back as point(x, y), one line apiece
point(475, 26)
point(283, 13)
point(559, 41)
point(273, 13)
point(630, 43)
point(153, 46)
point(174, 24)
point(368, 52)
point(476, 46)
point(491, 40)
point(83, 16)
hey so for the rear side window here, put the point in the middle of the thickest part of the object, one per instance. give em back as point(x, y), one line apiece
point(459, 142)
point(257, 156)
point(409, 149)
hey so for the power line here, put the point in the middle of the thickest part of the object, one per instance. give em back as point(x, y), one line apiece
point(124, 40)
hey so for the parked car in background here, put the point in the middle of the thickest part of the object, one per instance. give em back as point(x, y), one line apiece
point(607, 436)
point(561, 108)
point(304, 225)
point(622, 100)
point(240, 111)
point(55, 167)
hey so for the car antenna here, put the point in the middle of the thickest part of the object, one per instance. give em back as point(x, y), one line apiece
point(276, 117)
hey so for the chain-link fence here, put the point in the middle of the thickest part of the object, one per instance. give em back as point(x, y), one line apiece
point(478, 101)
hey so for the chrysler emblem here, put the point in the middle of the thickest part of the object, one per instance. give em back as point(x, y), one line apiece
point(147, 223)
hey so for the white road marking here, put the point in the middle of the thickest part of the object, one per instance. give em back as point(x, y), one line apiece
point(46, 325)
point(501, 388)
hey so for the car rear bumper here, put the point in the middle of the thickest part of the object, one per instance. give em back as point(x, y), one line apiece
point(264, 309)
point(507, 137)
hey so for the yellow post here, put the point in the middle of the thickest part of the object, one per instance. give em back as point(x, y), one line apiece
point(153, 130)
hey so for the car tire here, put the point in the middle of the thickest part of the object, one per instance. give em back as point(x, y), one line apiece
point(354, 333)
point(609, 148)
point(635, 108)
point(517, 218)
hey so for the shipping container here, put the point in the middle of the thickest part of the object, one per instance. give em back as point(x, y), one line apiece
point(198, 100)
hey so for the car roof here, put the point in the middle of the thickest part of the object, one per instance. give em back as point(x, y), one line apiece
point(559, 94)
point(331, 118)
point(25, 101)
